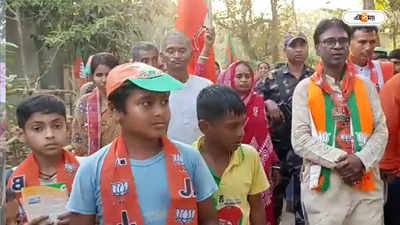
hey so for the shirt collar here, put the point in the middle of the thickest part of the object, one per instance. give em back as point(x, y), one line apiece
point(306, 70)
point(237, 157)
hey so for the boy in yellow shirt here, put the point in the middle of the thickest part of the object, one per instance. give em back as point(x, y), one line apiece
point(236, 167)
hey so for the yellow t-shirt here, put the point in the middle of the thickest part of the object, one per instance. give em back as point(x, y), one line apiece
point(244, 176)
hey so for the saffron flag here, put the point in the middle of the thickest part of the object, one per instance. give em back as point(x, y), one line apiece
point(79, 69)
point(191, 18)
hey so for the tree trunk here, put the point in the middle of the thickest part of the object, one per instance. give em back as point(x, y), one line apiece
point(19, 19)
point(275, 32)
point(294, 16)
point(247, 47)
point(2, 173)
point(368, 4)
point(2, 120)
point(394, 35)
point(396, 26)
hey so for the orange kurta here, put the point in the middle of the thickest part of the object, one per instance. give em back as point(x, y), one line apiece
point(390, 99)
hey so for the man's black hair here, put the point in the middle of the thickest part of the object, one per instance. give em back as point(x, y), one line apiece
point(326, 24)
point(367, 29)
point(103, 58)
point(118, 97)
point(215, 102)
point(142, 46)
point(39, 104)
point(395, 54)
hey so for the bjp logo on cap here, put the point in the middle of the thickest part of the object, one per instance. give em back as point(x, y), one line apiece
point(146, 71)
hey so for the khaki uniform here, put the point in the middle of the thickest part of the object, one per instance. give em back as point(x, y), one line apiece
point(340, 204)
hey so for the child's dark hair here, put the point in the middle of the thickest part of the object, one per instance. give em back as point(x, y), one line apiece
point(395, 54)
point(215, 102)
point(103, 58)
point(119, 96)
point(39, 103)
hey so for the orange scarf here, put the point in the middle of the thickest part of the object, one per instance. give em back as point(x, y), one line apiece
point(27, 174)
point(374, 74)
point(118, 190)
point(349, 114)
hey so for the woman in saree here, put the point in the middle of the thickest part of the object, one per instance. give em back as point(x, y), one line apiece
point(94, 124)
point(240, 77)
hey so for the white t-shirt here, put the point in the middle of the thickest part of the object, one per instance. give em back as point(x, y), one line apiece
point(365, 72)
point(183, 125)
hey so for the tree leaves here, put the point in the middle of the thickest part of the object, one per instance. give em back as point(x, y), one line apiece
point(91, 25)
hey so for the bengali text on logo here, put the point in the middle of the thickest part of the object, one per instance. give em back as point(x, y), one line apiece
point(364, 18)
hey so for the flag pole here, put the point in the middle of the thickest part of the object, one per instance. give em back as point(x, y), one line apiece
point(209, 20)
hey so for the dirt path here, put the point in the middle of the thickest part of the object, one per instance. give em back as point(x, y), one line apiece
point(287, 218)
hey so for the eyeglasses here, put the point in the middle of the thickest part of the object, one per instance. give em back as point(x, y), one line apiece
point(331, 42)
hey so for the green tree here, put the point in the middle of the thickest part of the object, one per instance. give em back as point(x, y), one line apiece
point(392, 25)
point(369, 4)
point(240, 21)
point(82, 27)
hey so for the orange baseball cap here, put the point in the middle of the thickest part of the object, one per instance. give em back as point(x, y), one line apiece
point(142, 75)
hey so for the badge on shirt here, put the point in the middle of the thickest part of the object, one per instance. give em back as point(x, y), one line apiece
point(122, 162)
point(120, 188)
point(185, 216)
point(178, 159)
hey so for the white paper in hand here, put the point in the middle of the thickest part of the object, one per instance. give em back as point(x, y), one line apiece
point(45, 201)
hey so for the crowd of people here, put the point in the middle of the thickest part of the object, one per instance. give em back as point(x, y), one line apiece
point(152, 144)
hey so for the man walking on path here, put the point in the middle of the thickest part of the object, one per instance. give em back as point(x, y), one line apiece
point(340, 131)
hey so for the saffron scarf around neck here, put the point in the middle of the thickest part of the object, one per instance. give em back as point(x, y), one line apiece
point(373, 72)
point(119, 194)
point(94, 119)
point(355, 95)
point(27, 173)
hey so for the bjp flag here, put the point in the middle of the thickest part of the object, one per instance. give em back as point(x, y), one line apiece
point(78, 71)
point(191, 18)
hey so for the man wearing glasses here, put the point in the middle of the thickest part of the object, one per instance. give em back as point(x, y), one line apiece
point(340, 131)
